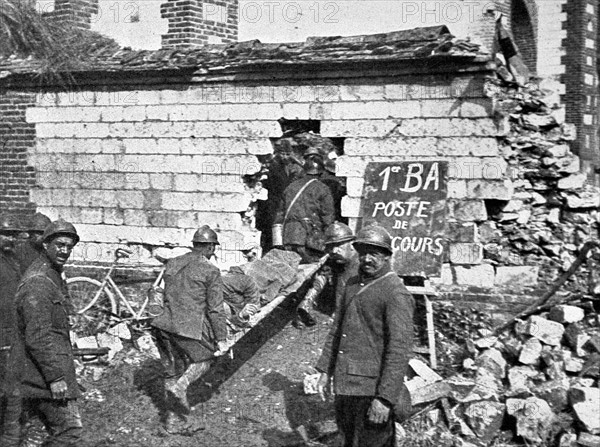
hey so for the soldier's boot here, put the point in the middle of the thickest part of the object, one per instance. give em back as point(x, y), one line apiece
point(191, 374)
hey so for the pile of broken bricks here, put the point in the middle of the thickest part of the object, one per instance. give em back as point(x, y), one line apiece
point(535, 383)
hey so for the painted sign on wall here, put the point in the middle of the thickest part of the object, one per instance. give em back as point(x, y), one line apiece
point(409, 200)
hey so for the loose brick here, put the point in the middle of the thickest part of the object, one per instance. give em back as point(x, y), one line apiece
point(566, 314)
point(549, 332)
point(479, 276)
point(483, 189)
point(466, 253)
point(521, 276)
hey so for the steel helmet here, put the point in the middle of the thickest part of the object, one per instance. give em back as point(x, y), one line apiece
point(60, 228)
point(39, 222)
point(205, 235)
point(337, 233)
point(9, 224)
point(313, 166)
point(312, 151)
point(374, 235)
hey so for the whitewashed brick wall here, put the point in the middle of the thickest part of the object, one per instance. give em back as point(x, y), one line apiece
point(152, 165)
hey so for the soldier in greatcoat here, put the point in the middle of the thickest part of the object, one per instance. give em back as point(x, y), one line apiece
point(10, 275)
point(42, 357)
point(368, 348)
point(305, 211)
point(193, 324)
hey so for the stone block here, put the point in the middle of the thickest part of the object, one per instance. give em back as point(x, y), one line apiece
point(93, 130)
point(566, 314)
point(359, 128)
point(361, 92)
point(209, 183)
point(457, 189)
point(129, 199)
point(585, 402)
point(448, 127)
point(531, 352)
point(519, 379)
point(113, 216)
point(350, 206)
point(206, 201)
point(573, 365)
point(141, 146)
point(111, 114)
point(440, 108)
point(157, 113)
point(296, 111)
point(520, 276)
point(485, 418)
point(576, 338)
point(136, 218)
point(493, 361)
point(587, 440)
point(91, 215)
point(534, 418)
point(586, 198)
point(396, 147)
point(477, 108)
point(575, 181)
point(453, 147)
point(188, 112)
point(166, 146)
point(479, 276)
point(555, 392)
point(354, 186)
point(469, 210)
point(466, 253)
point(471, 168)
point(486, 189)
point(427, 392)
point(548, 332)
point(93, 198)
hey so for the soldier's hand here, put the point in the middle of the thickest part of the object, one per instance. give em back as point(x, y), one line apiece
point(378, 412)
point(221, 348)
point(58, 389)
point(249, 310)
point(323, 386)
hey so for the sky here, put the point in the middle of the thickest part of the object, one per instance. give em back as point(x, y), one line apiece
point(137, 23)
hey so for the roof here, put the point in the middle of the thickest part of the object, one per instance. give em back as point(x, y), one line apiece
point(418, 43)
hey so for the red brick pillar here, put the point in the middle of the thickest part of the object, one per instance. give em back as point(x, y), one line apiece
point(194, 23)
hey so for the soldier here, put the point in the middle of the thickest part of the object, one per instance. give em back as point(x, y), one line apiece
point(368, 347)
point(341, 265)
point(241, 296)
point(10, 274)
point(193, 324)
point(30, 249)
point(42, 356)
point(305, 212)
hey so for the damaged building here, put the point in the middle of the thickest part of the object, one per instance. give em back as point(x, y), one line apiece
point(145, 146)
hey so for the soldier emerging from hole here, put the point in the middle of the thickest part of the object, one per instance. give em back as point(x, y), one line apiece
point(304, 213)
point(10, 275)
point(192, 327)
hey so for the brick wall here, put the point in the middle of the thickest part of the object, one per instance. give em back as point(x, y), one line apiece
point(524, 26)
point(198, 22)
point(77, 12)
point(17, 137)
point(151, 165)
point(581, 78)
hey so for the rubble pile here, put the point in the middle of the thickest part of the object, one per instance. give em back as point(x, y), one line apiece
point(553, 210)
point(536, 383)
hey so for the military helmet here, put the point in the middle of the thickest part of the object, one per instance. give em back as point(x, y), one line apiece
point(313, 166)
point(60, 227)
point(374, 235)
point(312, 151)
point(337, 233)
point(39, 222)
point(9, 224)
point(205, 235)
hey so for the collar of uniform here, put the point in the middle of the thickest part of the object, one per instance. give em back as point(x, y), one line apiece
point(367, 280)
point(54, 273)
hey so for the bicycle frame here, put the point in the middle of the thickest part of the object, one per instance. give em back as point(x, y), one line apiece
point(109, 282)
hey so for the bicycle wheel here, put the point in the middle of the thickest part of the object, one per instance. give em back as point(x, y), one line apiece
point(93, 314)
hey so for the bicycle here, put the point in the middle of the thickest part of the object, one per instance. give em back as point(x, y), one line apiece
point(96, 307)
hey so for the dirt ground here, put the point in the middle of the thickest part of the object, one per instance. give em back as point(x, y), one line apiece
point(254, 399)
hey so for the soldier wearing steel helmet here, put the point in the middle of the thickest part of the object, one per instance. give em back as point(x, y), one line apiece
point(193, 325)
point(30, 249)
point(341, 266)
point(10, 275)
point(42, 357)
point(368, 348)
point(305, 211)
